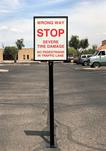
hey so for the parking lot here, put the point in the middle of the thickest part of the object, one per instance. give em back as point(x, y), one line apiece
point(80, 107)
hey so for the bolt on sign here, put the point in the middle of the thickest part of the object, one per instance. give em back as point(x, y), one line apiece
point(50, 38)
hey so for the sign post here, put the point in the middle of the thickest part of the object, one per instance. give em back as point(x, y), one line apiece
point(51, 44)
point(51, 105)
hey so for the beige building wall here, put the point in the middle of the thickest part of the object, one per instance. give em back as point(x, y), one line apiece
point(1, 54)
point(25, 54)
point(103, 45)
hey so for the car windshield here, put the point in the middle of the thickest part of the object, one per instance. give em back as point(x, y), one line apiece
point(95, 53)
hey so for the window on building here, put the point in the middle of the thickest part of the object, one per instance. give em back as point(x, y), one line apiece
point(23, 57)
point(27, 57)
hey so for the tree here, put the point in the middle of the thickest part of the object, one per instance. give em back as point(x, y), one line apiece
point(19, 43)
point(10, 53)
point(90, 50)
point(84, 43)
point(74, 42)
point(94, 47)
point(72, 52)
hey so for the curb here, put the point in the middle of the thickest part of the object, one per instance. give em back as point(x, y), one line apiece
point(95, 69)
point(90, 69)
point(3, 70)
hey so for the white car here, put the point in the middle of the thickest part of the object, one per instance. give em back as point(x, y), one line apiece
point(98, 59)
point(84, 59)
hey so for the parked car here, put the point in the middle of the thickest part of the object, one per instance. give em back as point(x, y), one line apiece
point(76, 60)
point(85, 59)
point(69, 59)
point(98, 59)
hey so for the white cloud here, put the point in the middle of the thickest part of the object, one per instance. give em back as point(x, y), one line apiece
point(14, 30)
point(3, 28)
point(9, 6)
point(56, 1)
point(88, 20)
point(4, 11)
point(104, 33)
point(11, 3)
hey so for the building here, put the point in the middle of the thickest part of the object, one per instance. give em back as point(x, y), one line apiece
point(103, 45)
point(1, 54)
point(25, 54)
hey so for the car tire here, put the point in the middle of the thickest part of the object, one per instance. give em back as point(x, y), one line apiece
point(96, 64)
point(85, 63)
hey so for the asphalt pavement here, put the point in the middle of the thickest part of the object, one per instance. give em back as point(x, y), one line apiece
point(80, 108)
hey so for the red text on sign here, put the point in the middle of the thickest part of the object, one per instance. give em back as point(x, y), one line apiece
point(50, 32)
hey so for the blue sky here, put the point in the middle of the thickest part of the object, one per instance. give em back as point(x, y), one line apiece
point(86, 18)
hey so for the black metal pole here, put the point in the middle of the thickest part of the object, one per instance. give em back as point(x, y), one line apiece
point(51, 104)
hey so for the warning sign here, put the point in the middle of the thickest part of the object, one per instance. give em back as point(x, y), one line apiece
point(50, 38)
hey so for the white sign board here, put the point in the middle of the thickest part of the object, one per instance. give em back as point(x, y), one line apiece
point(50, 38)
